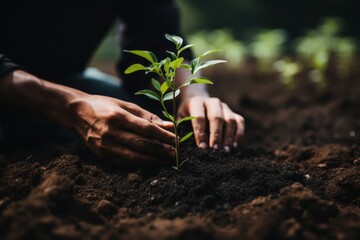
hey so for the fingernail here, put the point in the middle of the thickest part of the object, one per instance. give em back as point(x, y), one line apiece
point(203, 145)
point(216, 146)
point(235, 144)
point(227, 149)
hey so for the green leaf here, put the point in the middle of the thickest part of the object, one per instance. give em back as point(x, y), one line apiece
point(184, 119)
point(156, 84)
point(164, 86)
point(176, 63)
point(149, 93)
point(155, 68)
point(186, 47)
point(168, 116)
point(167, 64)
point(182, 163)
point(186, 137)
point(194, 64)
point(145, 54)
point(208, 52)
point(185, 66)
point(200, 80)
point(170, 75)
point(169, 96)
point(135, 67)
point(175, 39)
point(173, 55)
point(208, 64)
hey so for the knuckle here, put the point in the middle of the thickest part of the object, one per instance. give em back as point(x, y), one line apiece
point(113, 116)
point(146, 125)
point(216, 132)
point(200, 118)
point(153, 118)
point(231, 121)
point(105, 131)
point(215, 99)
point(200, 131)
point(218, 118)
point(241, 119)
point(224, 105)
point(195, 99)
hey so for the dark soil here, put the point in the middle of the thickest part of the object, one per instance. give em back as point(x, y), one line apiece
point(295, 176)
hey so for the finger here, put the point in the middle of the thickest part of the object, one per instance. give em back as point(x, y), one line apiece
point(239, 131)
point(216, 121)
point(197, 109)
point(140, 144)
point(140, 112)
point(148, 129)
point(229, 128)
point(167, 125)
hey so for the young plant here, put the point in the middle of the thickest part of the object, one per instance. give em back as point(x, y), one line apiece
point(288, 70)
point(267, 47)
point(166, 88)
point(233, 50)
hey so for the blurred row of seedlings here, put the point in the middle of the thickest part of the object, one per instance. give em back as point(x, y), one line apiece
point(311, 53)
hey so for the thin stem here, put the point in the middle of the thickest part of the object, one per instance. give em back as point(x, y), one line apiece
point(176, 129)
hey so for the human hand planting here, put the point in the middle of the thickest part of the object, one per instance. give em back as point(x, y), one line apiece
point(178, 77)
point(215, 125)
point(122, 132)
point(115, 130)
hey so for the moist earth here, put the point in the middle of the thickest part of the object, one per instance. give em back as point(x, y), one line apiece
point(296, 174)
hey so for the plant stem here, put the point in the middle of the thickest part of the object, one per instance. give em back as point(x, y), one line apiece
point(176, 129)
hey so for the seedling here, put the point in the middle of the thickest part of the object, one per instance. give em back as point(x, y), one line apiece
point(267, 47)
point(320, 44)
point(345, 51)
point(233, 50)
point(314, 50)
point(287, 69)
point(166, 88)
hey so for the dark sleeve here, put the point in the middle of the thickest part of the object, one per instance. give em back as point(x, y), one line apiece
point(7, 65)
point(146, 24)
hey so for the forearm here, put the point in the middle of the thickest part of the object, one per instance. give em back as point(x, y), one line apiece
point(24, 92)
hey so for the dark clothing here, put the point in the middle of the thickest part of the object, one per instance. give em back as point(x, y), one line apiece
point(52, 39)
point(55, 40)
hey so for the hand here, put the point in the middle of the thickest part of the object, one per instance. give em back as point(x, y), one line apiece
point(216, 125)
point(123, 132)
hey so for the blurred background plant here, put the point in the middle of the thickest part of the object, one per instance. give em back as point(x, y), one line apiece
point(288, 69)
point(266, 48)
point(314, 33)
point(321, 44)
point(233, 50)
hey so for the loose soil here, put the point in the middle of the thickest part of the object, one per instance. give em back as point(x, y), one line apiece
point(296, 175)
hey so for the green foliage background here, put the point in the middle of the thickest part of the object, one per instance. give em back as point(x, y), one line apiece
point(245, 17)
point(243, 20)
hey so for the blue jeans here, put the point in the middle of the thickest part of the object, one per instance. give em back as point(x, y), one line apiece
point(18, 128)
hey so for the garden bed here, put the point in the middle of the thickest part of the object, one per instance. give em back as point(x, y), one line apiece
point(296, 175)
